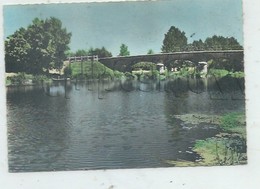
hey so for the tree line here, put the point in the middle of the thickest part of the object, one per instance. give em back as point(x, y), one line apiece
point(175, 40)
point(101, 52)
point(44, 45)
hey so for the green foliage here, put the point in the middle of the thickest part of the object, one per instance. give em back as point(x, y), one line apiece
point(146, 69)
point(237, 74)
point(184, 68)
point(81, 52)
point(232, 120)
point(218, 72)
point(16, 50)
point(226, 148)
point(184, 72)
point(103, 52)
point(222, 43)
point(22, 78)
point(118, 74)
point(221, 151)
point(124, 50)
point(198, 45)
point(69, 53)
point(93, 71)
point(150, 51)
point(215, 43)
point(38, 48)
point(128, 74)
point(174, 40)
point(18, 79)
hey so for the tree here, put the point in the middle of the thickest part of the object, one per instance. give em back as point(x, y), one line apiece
point(174, 40)
point(103, 52)
point(150, 51)
point(222, 43)
point(69, 53)
point(124, 50)
point(198, 45)
point(81, 52)
point(38, 48)
point(16, 48)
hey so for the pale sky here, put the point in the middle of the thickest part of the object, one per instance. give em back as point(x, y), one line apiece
point(139, 25)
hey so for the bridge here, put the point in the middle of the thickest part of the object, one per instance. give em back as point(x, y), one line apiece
point(125, 63)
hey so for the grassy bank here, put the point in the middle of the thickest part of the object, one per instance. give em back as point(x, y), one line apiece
point(21, 78)
point(226, 148)
point(86, 70)
point(95, 70)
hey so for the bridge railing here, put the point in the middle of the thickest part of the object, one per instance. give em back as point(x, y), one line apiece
point(82, 58)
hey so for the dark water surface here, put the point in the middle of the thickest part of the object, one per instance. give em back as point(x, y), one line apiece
point(119, 124)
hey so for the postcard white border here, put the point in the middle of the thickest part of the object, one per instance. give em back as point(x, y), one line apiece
point(238, 177)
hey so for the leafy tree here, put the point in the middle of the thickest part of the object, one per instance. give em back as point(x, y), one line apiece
point(69, 54)
point(222, 43)
point(233, 44)
point(81, 52)
point(16, 48)
point(150, 51)
point(103, 52)
point(198, 45)
point(174, 40)
point(38, 48)
point(124, 50)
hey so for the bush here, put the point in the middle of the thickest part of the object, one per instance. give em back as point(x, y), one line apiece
point(25, 79)
point(232, 120)
point(118, 74)
point(18, 79)
point(218, 72)
point(238, 74)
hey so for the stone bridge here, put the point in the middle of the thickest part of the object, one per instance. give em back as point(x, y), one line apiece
point(125, 63)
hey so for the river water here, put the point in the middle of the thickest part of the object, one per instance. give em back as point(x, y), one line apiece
point(112, 124)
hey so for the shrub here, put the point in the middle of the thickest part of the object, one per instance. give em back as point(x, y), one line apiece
point(231, 120)
point(218, 72)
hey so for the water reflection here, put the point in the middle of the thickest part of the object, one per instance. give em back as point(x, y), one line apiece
point(37, 128)
point(71, 125)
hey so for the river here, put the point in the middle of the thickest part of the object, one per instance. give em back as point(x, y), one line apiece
point(112, 124)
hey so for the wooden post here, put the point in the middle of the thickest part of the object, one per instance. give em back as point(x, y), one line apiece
point(81, 61)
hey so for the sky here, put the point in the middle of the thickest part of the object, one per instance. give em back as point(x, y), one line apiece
point(139, 25)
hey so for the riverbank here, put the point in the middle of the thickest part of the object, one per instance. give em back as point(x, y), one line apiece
point(226, 148)
point(77, 70)
point(23, 79)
